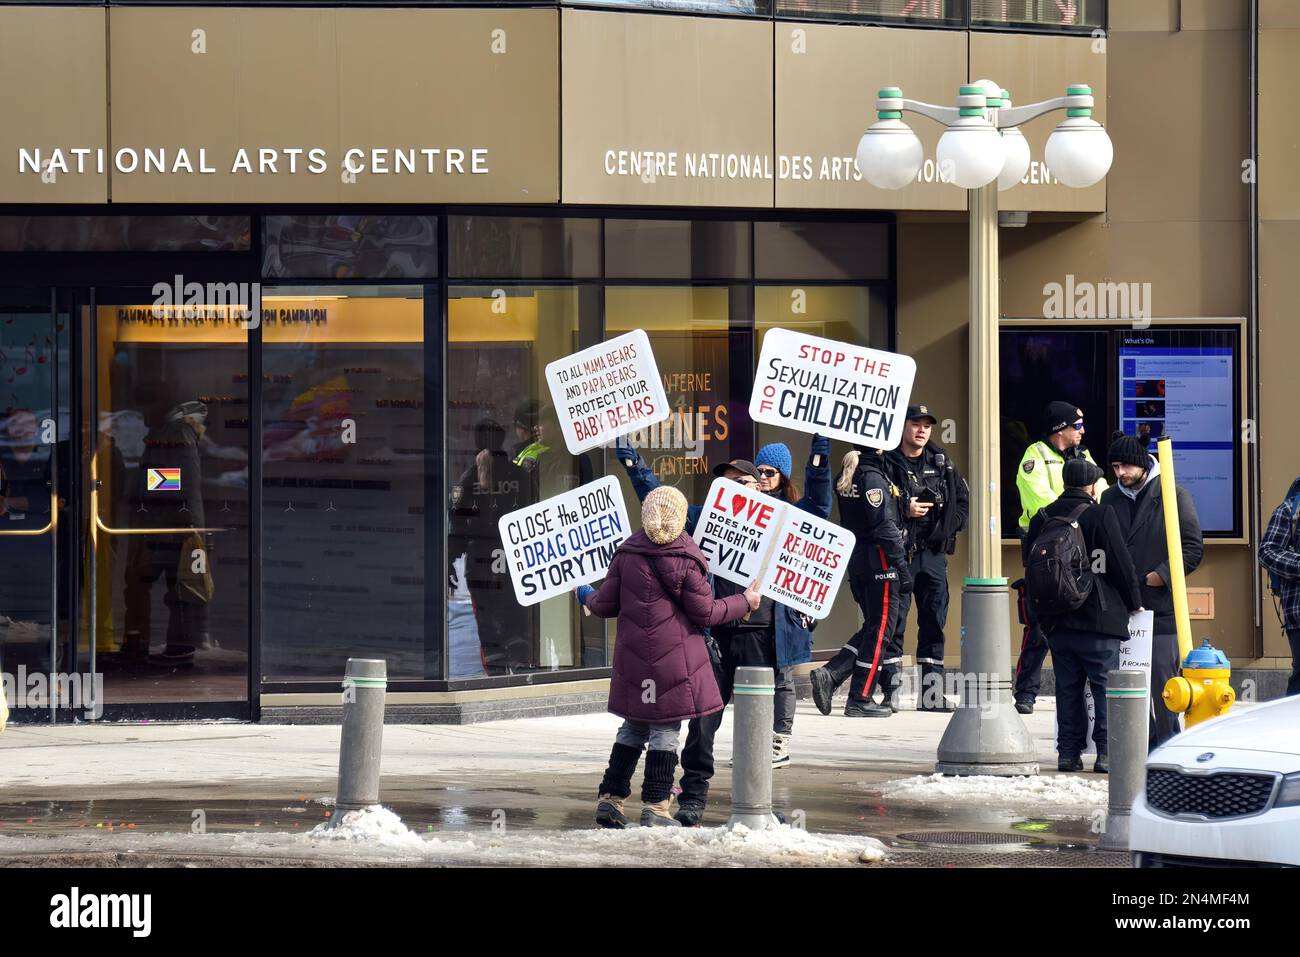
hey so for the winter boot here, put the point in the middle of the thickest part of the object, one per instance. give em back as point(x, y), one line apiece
point(1069, 762)
point(689, 812)
point(657, 789)
point(823, 688)
point(1025, 705)
point(616, 785)
point(1101, 765)
point(780, 750)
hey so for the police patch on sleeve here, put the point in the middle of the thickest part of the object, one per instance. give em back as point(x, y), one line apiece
point(875, 497)
point(1029, 465)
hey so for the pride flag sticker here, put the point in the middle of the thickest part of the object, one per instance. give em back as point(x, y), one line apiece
point(164, 480)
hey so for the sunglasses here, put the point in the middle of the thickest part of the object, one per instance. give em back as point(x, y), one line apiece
point(768, 472)
point(1078, 425)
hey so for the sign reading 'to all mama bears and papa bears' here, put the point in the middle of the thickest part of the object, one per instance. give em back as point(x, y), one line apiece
point(564, 541)
point(746, 534)
point(607, 391)
point(839, 390)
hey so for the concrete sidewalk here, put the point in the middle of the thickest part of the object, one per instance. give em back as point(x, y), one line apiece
point(85, 787)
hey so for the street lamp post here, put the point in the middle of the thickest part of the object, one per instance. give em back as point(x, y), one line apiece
point(983, 151)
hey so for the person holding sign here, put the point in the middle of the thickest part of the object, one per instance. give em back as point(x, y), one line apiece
point(782, 636)
point(658, 587)
point(1139, 505)
point(1081, 581)
point(1039, 480)
point(879, 576)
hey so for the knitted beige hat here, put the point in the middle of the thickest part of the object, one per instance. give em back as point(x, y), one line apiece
point(663, 514)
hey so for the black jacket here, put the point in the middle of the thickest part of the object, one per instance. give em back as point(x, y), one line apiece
point(1115, 591)
point(1142, 524)
point(953, 495)
point(871, 512)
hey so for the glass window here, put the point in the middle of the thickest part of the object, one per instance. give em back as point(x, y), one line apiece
point(919, 12)
point(96, 234)
point(350, 246)
point(827, 251)
point(513, 247)
point(743, 7)
point(1060, 14)
point(849, 314)
point(676, 249)
point(505, 451)
point(343, 486)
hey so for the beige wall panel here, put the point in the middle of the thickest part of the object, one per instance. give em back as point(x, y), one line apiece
point(1195, 269)
point(1279, 345)
point(1279, 129)
point(1180, 126)
point(1127, 15)
point(672, 85)
point(338, 79)
point(1035, 68)
point(1216, 14)
point(825, 98)
point(1274, 14)
point(52, 96)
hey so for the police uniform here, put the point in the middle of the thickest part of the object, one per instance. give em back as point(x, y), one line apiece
point(1040, 483)
point(930, 476)
point(878, 575)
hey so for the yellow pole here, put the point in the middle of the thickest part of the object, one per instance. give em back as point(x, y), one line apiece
point(1173, 535)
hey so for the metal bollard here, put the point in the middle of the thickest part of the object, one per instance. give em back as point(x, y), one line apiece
point(365, 681)
point(754, 691)
point(1127, 714)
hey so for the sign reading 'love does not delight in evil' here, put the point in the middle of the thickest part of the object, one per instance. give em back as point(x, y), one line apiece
point(839, 390)
point(746, 534)
point(607, 391)
point(564, 541)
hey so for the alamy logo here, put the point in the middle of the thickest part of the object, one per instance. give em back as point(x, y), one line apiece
point(133, 911)
point(214, 301)
point(38, 690)
point(1105, 300)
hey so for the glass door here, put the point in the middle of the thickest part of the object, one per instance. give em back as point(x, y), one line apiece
point(166, 440)
point(35, 538)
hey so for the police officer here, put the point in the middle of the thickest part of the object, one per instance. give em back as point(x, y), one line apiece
point(879, 577)
point(1039, 481)
point(934, 505)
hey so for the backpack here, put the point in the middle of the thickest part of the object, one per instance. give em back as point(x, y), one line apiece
point(1058, 576)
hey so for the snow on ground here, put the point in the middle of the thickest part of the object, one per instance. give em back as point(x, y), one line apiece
point(1058, 789)
point(377, 835)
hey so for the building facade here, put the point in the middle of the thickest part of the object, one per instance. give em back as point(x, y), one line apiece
point(350, 238)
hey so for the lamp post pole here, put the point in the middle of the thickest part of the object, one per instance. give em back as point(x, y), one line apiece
point(986, 734)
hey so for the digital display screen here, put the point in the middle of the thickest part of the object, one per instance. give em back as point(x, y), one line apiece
point(1183, 383)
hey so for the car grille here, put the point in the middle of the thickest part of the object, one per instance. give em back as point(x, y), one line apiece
point(1215, 796)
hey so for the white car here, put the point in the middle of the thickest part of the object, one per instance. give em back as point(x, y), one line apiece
point(1225, 793)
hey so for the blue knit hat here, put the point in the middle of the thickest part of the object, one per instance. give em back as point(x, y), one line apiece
point(775, 455)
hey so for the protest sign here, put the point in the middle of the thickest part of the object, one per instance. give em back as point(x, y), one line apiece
point(839, 390)
point(564, 541)
point(606, 391)
point(1135, 651)
point(746, 534)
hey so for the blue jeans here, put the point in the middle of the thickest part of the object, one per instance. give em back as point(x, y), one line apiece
point(661, 737)
point(1080, 657)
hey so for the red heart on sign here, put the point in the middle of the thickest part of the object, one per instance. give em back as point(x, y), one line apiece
point(737, 503)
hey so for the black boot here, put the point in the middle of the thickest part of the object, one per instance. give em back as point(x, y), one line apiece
point(689, 812)
point(657, 789)
point(823, 688)
point(866, 708)
point(616, 786)
point(1069, 762)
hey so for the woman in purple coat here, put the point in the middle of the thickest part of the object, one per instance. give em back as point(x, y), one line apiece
point(658, 587)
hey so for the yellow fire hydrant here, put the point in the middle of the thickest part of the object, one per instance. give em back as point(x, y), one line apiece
point(1202, 690)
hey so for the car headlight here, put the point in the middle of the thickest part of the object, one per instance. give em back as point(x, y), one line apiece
point(1289, 795)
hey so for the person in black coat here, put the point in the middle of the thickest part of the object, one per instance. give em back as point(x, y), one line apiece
point(1085, 642)
point(1138, 502)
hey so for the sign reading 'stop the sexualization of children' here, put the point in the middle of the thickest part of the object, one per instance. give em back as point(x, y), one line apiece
point(839, 390)
point(607, 391)
point(800, 559)
point(564, 541)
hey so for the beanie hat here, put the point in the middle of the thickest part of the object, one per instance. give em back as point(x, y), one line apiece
point(663, 514)
point(1128, 450)
point(775, 455)
point(1058, 415)
point(1078, 472)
